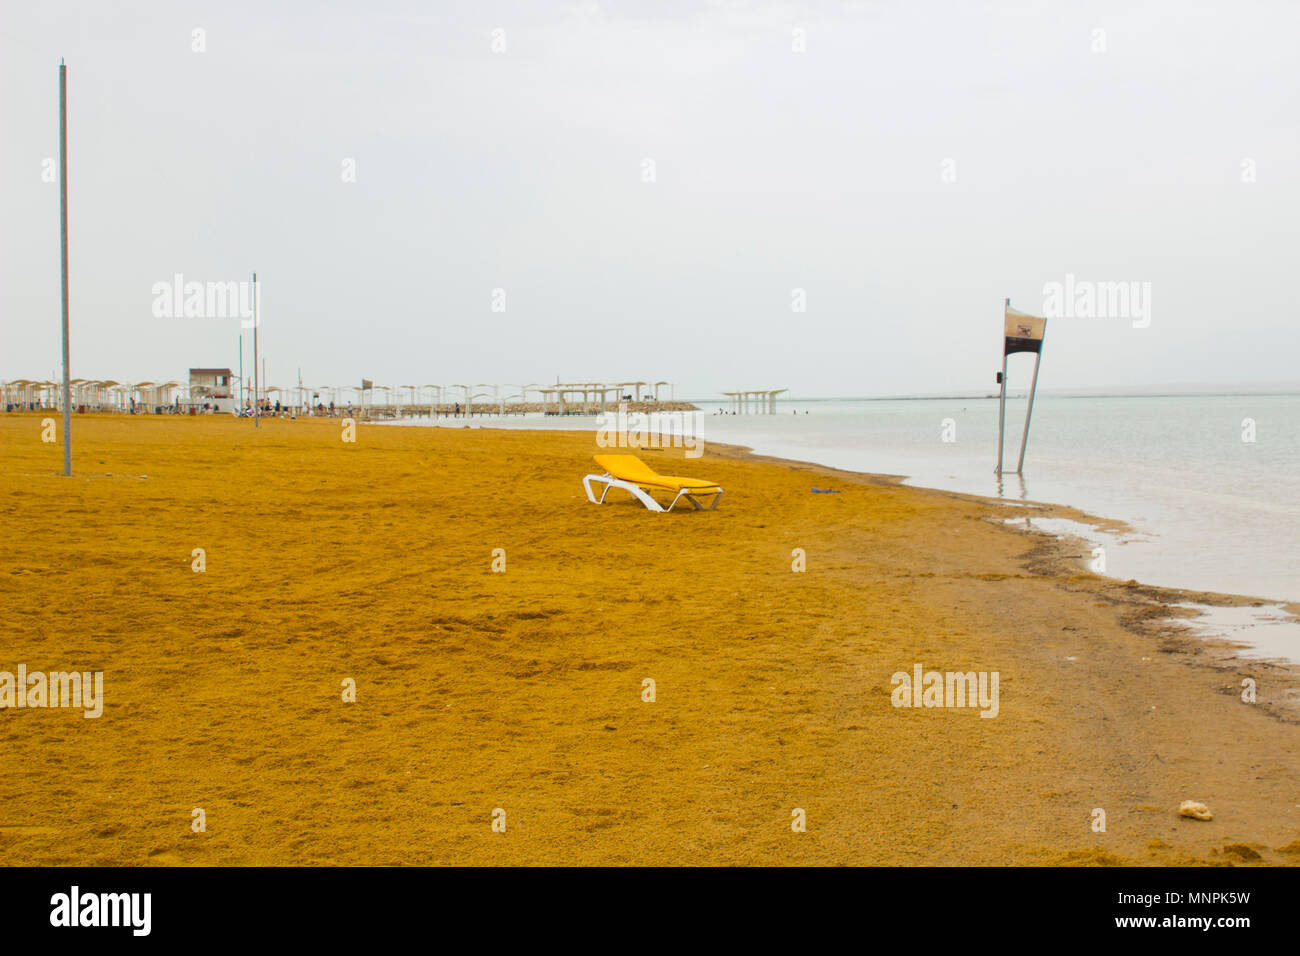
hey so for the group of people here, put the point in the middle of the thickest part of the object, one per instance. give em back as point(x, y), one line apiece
point(723, 411)
point(269, 408)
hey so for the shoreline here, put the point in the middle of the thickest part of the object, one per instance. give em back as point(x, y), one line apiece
point(1066, 562)
point(523, 689)
point(1031, 508)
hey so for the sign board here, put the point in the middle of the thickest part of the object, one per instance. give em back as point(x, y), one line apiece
point(1022, 332)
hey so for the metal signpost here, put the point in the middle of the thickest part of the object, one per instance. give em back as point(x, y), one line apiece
point(1021, 332)
point(63, 244)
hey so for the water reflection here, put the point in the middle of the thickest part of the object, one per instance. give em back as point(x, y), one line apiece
point(1018, 486)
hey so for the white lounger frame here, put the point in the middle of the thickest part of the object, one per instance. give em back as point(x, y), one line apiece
point(643, 496)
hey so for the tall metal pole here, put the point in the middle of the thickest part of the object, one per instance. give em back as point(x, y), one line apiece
point(257, 404)
point(63, 244)
point(1002, 409)
point(239, 400)
point(1024, 439)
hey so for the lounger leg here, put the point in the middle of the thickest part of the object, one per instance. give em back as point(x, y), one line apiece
point(689, 497)
point(636, 492)
point(642, 496)
point(695, 501)
point(605, 480)
point(586, 483)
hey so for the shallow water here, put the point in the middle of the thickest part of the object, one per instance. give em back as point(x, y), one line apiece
point(1263, 632)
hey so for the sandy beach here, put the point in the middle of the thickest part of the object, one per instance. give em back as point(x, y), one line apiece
point(523, 690)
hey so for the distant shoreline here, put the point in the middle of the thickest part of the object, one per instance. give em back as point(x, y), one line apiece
point(1044, 393)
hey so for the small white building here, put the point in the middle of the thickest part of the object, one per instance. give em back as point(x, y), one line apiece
point(214, 386)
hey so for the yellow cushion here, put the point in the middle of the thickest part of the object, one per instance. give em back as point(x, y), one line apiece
point(633, 469)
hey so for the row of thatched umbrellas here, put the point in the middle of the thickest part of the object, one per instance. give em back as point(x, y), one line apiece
point(108, 395)
point(559, 398)
point(103, 395)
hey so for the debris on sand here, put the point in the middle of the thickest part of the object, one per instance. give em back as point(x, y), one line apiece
point(1197, 811)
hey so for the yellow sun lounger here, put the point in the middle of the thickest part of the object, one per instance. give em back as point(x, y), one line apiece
point(632, 474)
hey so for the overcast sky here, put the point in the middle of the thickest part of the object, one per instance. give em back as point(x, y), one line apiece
point(913, 166)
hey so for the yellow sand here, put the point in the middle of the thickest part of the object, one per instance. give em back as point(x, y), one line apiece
point(523, 690)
